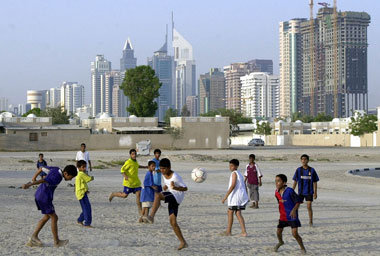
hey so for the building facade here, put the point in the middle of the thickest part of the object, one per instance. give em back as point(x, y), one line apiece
point(212, 90)
point(128, 59)
point(98, 69)
point(260, 65)
point(72, 96)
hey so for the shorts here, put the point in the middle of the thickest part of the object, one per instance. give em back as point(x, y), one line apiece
point(289, 223)
point(43, 174)
point(45, 207)
point(236, 208)
point(172, 203)
point(253, 192)
point(306, 197)
point(147, 204)
point(128, 190)
point(159, 188)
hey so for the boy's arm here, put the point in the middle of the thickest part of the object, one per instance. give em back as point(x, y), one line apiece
point(143, 167)
point(124, 170)
point(315, 186)
point(294, 185)
point(231, 188)
point(178, 188)
point(29, 184)
point(36, 174)
point(89, 163)
point(293, 213)
point(260, 183)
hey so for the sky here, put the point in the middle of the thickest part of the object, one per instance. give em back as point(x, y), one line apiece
point(43, 43)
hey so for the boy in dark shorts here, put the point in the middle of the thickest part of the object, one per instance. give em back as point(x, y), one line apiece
point(40, 164)
point(173, 195)
point(288, 204)
point(306, 178)
point(44, 200)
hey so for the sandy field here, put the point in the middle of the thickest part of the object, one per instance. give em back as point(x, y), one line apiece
point(346, 213)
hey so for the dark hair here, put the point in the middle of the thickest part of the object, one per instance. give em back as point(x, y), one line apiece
point(164, 162)
point(82, 144)
point(235, 162)
point(304, 155)
point(282, 177)
point(252, 156)
point(81, 163)
point(151, 162)
point(71, 170)
point(132, 150)
point(41, 154)
point(157, 151)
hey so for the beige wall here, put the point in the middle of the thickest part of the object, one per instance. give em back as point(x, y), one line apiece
point(312, 140)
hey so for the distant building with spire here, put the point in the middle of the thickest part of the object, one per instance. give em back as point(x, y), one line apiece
point(128, 59)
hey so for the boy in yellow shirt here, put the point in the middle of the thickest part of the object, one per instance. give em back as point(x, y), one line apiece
point(81, 191)
point(131, 181)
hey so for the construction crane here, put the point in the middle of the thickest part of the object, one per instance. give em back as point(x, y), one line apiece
point(311, 46)
point(336, 76)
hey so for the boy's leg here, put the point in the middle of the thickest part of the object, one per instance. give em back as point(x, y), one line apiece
point(34, 239)
point(230, 214)
point(81, 216)
point(139, 208)
point(310, 210)
point(87, 212)
point(54, 230)
point(242, 223)
point(279, 237)
point(117, 194)
point(143, 212)
point(256, 195)
point(156, 204)
point(298, 238)
point(177, 231)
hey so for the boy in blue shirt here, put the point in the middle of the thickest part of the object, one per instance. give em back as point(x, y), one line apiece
point(40, 163)
point(288, 204)
point(44, 201)
point(306, 178)
point(157, 173)
point(147, 193)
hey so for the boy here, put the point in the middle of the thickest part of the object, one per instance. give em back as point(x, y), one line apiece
point(40, 163)
point(306, 178)
point(84, 155)
point(157, 173)
point(174, 193)
point(81, 191)
point(147, 193)
point(237, 198)
point(131, 181)
point(288, 204)
point(44, 201)
point(252, 177)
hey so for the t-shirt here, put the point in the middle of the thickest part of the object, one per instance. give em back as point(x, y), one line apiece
point(81, 184)
point(286, 203)
point(178, 182)
point(252, 173)
point(45, 191)
point(305, 179)
point(147, 193)
point(131, 169)
point(157, 175)
point(83, 156)
point(40, 164)
point(238, 196)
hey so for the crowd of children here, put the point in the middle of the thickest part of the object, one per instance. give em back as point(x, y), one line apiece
point(242, 188)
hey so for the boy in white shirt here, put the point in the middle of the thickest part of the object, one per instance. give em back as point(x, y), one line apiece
point(173, 194)
point(84, 155)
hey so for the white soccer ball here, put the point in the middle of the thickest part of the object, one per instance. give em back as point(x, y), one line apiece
point(199, 175)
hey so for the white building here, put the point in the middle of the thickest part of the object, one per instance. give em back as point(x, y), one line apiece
point(72, 96)
point(84, 112)
point(34, 98)
point(98, 69)
point(54, 97)
point(260, 95)
point(3, 104)
point(108, 81)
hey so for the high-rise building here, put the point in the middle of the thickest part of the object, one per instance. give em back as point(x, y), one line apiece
point(185, 70)
point(192, 105)
point(290, 67)
point(260, 95)
point(34, 98)
point(128, 59)
point(72, 96)
point(212, 91)
point(163, 65)
point(120, 102)
point(98, 69)
point(259, 65)
point(108, 81)
point(54, 98)
point(3, 104)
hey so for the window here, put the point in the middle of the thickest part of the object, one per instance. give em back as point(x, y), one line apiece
point(33, 136)
point(43, 134)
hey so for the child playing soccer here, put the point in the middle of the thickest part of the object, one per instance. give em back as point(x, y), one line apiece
point(173, 195)
point(81, 191)
point(157, 173)
point(237, 198)
point(147, 193)
point(252, 178)
point(288, 204)
point(44, 201)
point(306, 178)
point(131, 181)
point(40, 163)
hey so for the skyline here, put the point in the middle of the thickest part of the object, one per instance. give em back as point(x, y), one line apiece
point(50, 52)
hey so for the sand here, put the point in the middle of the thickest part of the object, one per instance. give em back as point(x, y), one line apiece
point(347, 211)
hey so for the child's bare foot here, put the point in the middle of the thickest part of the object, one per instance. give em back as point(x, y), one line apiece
point(148, 219)
point(36, 239)
point(253, 205)
point(244, 234)
point(310, 224)
point(225, 233)
point(182, 245)
point(110, 197)
point(34, 242)
point(61, 243)
point(303, 251)
point(141, 219)
point(80, 223)
point(278, 246)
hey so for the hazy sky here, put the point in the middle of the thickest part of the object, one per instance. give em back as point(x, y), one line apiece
point(43, 43)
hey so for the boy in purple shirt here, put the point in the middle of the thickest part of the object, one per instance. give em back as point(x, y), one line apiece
point(44, 201)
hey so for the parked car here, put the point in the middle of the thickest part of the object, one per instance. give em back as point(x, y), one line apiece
point(256, 142)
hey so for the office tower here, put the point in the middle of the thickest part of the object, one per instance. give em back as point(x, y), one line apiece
point(98, 69)
point(3, 104)
point(72, 96)
point(260, 94)
point(54, 97)
point(259, 65)
point(111, 78)
point(212, 91)
point(128, 59)
point(192, 105)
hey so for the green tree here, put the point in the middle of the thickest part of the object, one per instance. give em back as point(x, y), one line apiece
point(322, 117)
point(168, 114)
point(361, 124)
point(58, 116)
point(141, 86)
point(185, 111)
point(263, 129)
point(36, 111)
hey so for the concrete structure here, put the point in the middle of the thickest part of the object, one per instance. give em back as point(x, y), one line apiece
point(260, 95)
point(34, 98)
point(72, 96)
point(98, 69)
point(259, 65)
point(25, 121)
point(212, 91)
point(128, 59)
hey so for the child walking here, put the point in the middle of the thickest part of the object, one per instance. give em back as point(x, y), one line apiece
point(81, 191)
point(237, 198)
point(44, 201)
point(288, 204)
point(147, 193)
point(40, 164)
point(252, 178)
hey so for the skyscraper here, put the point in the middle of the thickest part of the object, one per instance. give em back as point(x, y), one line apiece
point(128, 59)
point(3, 104)
point(98, 69)
point(108, 81)
point(259, 65)
point(212, 91)
point(72, 96)
point(54, 97)
point(192, 105)
point(163, 65)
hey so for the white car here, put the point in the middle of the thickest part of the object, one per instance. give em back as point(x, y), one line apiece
point(256, 142)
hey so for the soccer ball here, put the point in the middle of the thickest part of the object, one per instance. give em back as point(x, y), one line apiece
point(199, 175)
